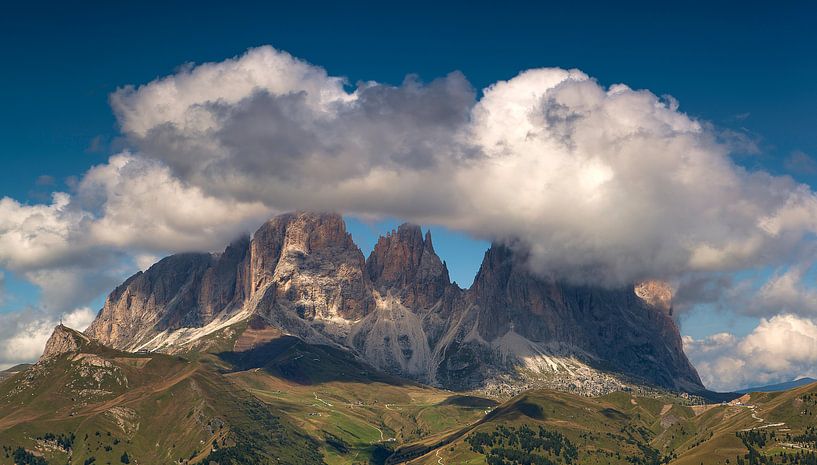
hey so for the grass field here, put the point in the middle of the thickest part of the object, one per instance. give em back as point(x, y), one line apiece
point(621, 428)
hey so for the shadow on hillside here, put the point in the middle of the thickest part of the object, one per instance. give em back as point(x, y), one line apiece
point(294, 360)
point(470, 401)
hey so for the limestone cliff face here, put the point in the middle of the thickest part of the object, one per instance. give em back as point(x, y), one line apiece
point(405, 263)
point(302, 274)
point(63, 340)
point(304, 265)
point(320, 270)
point(166, 296)
point(657, 294)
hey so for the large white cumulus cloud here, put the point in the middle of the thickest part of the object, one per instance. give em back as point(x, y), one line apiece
point(130, 203)
point(81, 244)
point(606, 185)
point(781, 348)
point(598, 184)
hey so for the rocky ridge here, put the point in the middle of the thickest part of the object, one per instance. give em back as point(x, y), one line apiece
point(302, 274)
point(64, 340)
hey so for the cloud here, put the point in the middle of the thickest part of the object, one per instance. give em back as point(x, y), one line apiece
point(125, 206)
point(600, 184)
point(23, 334)
point(764, 292)
point(145, 261)
point(45, 180)
point(801, 163)
point(786, 293)
point(65, 288)
point(138, 204)
point(82, 244)
point(597, 184)
point(779, 349)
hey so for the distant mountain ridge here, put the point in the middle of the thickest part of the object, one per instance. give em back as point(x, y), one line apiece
point(779, 386)
point(303, 275)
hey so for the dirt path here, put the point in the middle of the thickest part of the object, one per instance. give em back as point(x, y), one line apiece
point(321, 400)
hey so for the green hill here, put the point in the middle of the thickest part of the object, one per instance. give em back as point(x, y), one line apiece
point(547, 427)
point(283, 401)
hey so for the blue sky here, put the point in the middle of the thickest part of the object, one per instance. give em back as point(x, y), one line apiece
point(747, 66)
point(746, 69)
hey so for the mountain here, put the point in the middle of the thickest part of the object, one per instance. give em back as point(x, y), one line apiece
point(9, 372)
point(779, 387)
point(302, 274)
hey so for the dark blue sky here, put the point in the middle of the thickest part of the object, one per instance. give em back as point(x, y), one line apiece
point(747, 68)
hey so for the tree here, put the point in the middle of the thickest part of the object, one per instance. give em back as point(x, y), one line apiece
point(125, 458)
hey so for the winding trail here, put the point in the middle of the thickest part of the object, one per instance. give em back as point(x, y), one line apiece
point(321, 400)
point(761, 420)
point(378, 430)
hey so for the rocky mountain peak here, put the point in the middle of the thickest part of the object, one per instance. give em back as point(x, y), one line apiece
point(63, 340)
point(302, 274)
point(299, 233)
point(165, 297)
point(396, 256)
point(404, 261)
point(429, 246)
point(619, 326)
point(314, 265)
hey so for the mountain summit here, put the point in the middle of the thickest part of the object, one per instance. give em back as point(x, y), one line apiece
point(302, 274)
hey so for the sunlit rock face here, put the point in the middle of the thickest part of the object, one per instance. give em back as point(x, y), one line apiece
point(63, 340)
point(302, 274)
point(405, 263)
point(657, 294)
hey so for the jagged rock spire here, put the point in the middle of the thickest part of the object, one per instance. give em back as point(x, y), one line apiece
point(405, 262)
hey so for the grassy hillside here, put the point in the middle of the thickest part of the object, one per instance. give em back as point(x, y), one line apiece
point(98, 407)
point(279, 401)
point(546, 427)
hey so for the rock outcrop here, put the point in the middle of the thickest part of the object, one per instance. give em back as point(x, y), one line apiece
point(302, 274)
point(64, 340)
point(404, 262)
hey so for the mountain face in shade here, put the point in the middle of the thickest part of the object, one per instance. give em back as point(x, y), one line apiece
point(615, 329)
point(302, 275)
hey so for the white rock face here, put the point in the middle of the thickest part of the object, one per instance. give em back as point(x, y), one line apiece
point(392, 338)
